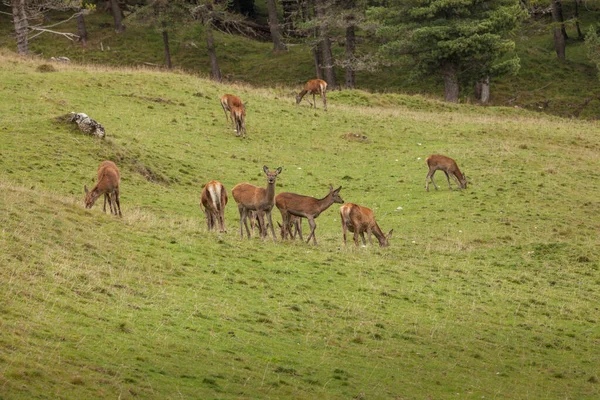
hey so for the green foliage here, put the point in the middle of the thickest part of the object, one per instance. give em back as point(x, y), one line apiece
point(471, 34)
point(592, 43)
point(492, 291)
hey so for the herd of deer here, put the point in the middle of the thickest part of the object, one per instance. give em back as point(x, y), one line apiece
point(255, 202)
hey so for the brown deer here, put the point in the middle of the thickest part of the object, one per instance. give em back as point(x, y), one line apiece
point(214, 199)
point(306, 207)
point(314, 87)
point(296, 223)
point(252, 198)
point(359, 219)
point(438, 162)
point(237, 112)
point(108, 185)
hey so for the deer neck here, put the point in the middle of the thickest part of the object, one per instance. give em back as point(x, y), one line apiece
point(378, 233)
point(324, 203)
point(269, 198)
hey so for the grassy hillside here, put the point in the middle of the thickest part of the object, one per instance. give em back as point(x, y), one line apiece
point(492, 291)
point(542, 85)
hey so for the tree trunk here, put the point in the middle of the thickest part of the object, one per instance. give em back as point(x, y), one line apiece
point(278, 45)
point(579, 34)
point(561, 18)
point(482, 90)
point(165, 35)
point(117, 16)
point(81, 31)
point(451, 88)
point(350, 48)
point(214, 64)
point(325, 46)
point(317, 58)
point(559, 38)
point(21, 26)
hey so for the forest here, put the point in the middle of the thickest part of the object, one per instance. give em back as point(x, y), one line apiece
point(537, 54)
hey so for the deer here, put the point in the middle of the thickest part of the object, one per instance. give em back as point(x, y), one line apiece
point(306, 207)
point(359, 219)
point(296, 223)
point(108, 185)
point(214, 199)
point(261, 200)
point(314, 87)
point(437, 162)
point(237, 112)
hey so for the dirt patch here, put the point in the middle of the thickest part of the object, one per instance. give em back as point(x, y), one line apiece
point(355, 137)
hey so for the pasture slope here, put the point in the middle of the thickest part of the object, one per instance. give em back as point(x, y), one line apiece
point(488, 292)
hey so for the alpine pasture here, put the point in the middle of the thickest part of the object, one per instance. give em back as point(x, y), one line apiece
point(488, 292)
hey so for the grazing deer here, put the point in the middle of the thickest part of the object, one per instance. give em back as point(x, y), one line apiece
point(306, 207)
point(214, 199)
point(252, 198)
point(237, 112)
point(359, 220)
point(438, 162)
point(314, 87)
point(108, 185)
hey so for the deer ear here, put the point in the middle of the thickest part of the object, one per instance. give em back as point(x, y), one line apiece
point(265, 169)
point(390, 234)
point(278, 170)
point(338, 189)
point(85, 189)
point(330, 187)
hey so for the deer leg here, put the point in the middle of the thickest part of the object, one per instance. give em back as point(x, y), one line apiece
point(344, 230)
point(225, 111)
point(369, 233)
point(427, 179)
point(356, 237)
point(314, 101)
point(432, 181)
point(324, 101)
point(242, 220)
point(299, 227)
point(271, 224)
point(104, 207)
point(118, 202)
point(448, 179)
point(207, 215)
point(313, 226)
point(222, 220)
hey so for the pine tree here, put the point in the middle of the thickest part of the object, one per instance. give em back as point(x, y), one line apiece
point(461, 41)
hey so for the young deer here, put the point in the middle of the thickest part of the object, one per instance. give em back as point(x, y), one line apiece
point(108, 184)
point(252, 198)
point(214, 199)
point(438, 162)
point(359, 220)
point(237, 112)
point(296, 223)
point(306, 207)
point(314, 87)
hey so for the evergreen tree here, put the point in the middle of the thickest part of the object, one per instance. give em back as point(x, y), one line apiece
point(462, 41)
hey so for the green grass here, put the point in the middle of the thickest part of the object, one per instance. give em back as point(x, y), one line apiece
point(492, 291)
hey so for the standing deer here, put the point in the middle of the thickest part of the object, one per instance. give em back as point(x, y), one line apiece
point(237, 112)
point(214, 199)
point(438, 162)
point(314, 87)
point(252, 198)
point(306, 207)
point(108, 185)
point(359, 220)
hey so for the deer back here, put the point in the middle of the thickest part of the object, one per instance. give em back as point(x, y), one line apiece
point(214, 196)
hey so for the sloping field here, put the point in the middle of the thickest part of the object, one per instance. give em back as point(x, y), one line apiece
point(488, 292)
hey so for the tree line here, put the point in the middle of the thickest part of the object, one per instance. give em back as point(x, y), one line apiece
point(465, 43)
